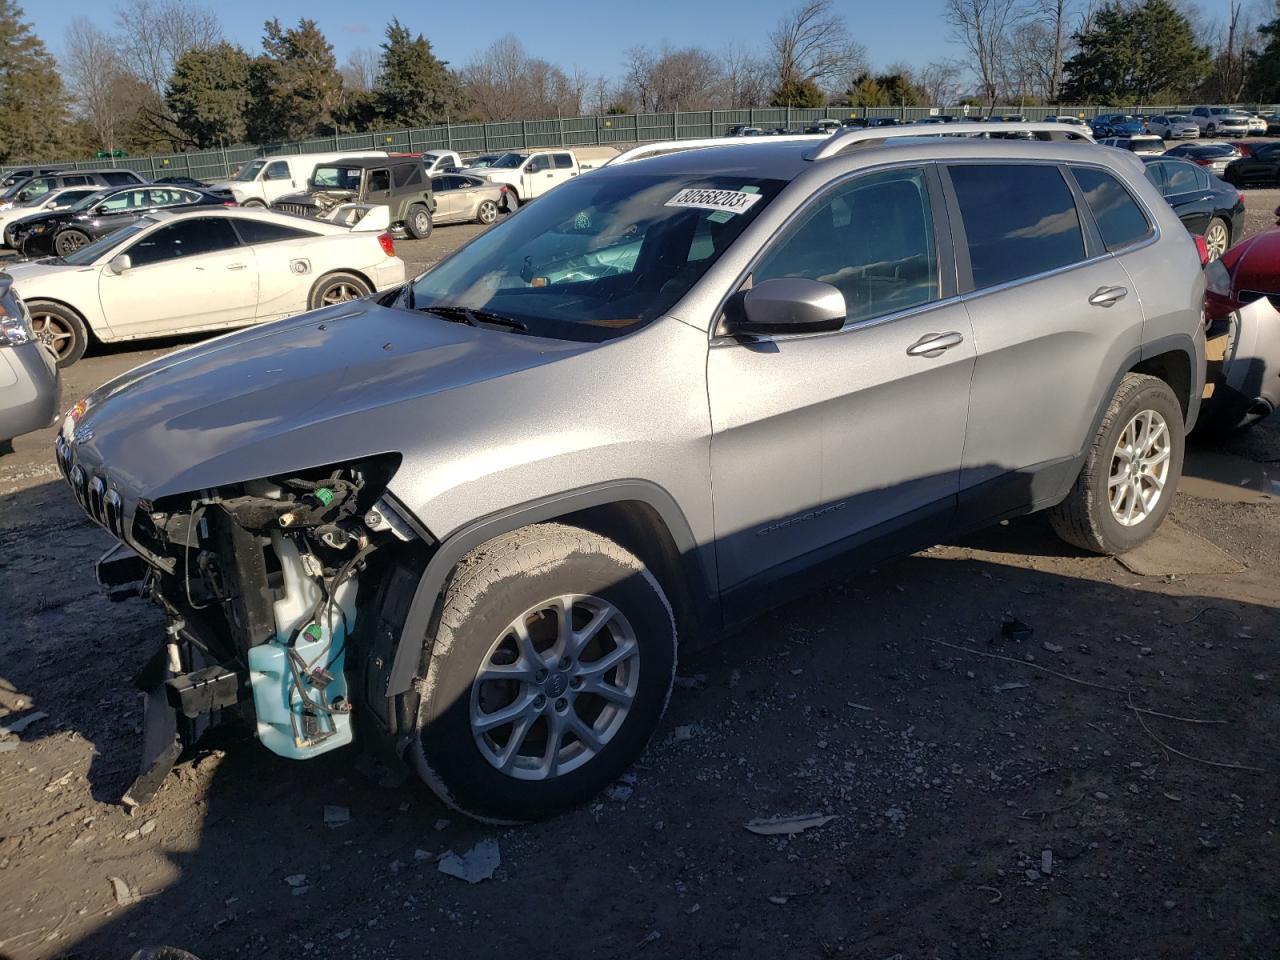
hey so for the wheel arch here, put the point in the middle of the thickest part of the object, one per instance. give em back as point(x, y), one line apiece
point(86, 320)
point(1173, 365)
point(368, 282)
point(638, 514)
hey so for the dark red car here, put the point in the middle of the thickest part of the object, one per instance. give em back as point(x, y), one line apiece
point(1242, 308)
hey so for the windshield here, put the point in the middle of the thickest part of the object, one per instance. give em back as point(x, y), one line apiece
point(510, 160)
point(482, 162)
point(90, 200)
point(249, 171)
point(92, 251)
point(598, 256)
point(336, 178)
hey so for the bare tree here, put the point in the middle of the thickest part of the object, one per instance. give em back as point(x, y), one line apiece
point(361, 70)
point(983, 26)
point(1231, 43)
point(153, 34)
point(667, 79)
point(745, 77)
point(941, 81)
point(1046, 22)
point(812, 44)
point(504, 83)
point(93, 71)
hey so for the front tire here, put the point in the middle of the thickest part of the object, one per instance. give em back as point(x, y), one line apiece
point(253, 203)
point(336, 288)
point(60, 329)
point(417, 222)
point(69, 241)
point(513, 200)
point(550, 669)
point(1131, 471)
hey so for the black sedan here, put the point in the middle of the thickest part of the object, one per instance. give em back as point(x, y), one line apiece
point(1206, 206)
point(1260, 167)
point(1214, 156)
point(65, 231)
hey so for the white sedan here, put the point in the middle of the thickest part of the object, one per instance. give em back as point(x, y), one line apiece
point(205, 269)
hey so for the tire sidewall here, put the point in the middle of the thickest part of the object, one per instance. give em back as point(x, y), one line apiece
point(58, 240)
point(79, 330)
point(410, 222)
point(323, 284)
point(446, 751)
point(480, 212)
point(1154, 396)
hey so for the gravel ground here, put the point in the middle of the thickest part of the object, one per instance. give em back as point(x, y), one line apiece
point(987, 796)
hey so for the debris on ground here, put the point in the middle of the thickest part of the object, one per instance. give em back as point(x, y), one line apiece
point(477, 864)
point(787, 826)
point(442, 824)
point(619, 792)
point(125, 895)
point(1011, 685)
point(653, 936)
point(1014, 629)
point(1046, 862)
point(296, 879)
point(335, 816)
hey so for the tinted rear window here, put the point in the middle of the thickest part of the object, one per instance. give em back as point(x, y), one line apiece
point(1120, 220)
point(1020, 220)
point(261, 231)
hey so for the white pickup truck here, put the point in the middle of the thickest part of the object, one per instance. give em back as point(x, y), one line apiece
point(441, 161)
point(530, 174)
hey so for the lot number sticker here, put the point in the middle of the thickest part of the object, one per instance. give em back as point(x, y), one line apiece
point(724, 201)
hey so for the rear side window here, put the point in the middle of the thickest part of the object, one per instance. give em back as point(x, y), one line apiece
point(1020, 220)
point(380, 180)
point(260, 231)
point(872, 239)
point(1120, 220)
point(119, 178)
point(407, 174)
point(563, 161)
point(1180, 178)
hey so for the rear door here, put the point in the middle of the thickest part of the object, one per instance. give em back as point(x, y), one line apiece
point(446, 194)
point(824, 442)
point(1054, 317)
point(285, 268)
point(1186, 188)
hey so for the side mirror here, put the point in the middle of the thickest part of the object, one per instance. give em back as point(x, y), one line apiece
point(119, 263)
point(788, 305)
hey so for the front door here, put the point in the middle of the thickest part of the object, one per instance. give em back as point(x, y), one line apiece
point(827, 441)
point(1054, 317)
point(538, 176)
point(185, 275)
point(277, 180)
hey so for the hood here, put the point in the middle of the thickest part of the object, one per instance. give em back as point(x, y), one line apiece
point(1255, 263)
point(21, 270)
point(223, 186)
point(328, 386)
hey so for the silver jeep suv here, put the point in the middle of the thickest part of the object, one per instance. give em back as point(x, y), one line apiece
point(465, 522)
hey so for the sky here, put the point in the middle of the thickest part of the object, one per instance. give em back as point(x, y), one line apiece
point(591, 36)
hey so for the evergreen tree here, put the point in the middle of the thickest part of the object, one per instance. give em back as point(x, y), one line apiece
point(208, 94)
point(33, 102)
point(797, 93)
point(1264, 64)
point(1141, 53)
point(414, 87)
point(866, 92)
point(294, 87)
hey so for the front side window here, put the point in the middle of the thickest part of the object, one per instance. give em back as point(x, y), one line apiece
point(35, 188)
point(598, 256)
point(188, 238)
point(871, 239)
point(1120, 220)
point(123, 202)
point(1020, 220)
point(277, 170)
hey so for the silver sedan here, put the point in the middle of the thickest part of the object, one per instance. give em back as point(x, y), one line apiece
point(28, 374)
point(1173, 126)
point(461, 198)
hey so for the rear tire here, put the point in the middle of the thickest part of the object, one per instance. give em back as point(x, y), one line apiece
point(572, 740)
point(513, 200)
point(1122, 496)
point(335, 288)
point(253, 203)
point(1217, 237)
point(417, 222)
point(60, 329)
point(487, 212)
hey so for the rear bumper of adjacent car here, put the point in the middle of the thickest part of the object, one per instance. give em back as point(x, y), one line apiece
point(29, 389)
point(1244, 365)
point(389, 273)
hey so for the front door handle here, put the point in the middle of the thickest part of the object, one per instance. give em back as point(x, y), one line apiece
point(236, 266)
point(935, 344)
point(1108, 296)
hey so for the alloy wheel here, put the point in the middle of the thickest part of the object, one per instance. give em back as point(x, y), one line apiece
point(555, 687)
point(53, 333)
point(488, 212)
point(340, 292)
point(1215, 238)
point(1139, 468)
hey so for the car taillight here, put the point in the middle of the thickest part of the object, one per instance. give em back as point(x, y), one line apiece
point(230, 203)
point(388, 244)
point(504, 190)
point(1203, 249)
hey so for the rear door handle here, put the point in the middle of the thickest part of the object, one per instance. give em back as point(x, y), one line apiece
point(1108, 296)
point(236, 266)
point(935, 344)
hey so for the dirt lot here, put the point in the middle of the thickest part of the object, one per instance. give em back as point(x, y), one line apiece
point(989, 796)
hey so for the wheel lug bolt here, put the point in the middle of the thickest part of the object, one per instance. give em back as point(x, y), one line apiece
point(539, 702)
point(540, 676)
point(576, 683)
point(561, 704)
point(565, 663)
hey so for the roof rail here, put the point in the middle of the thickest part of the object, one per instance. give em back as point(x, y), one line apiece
point(677, 146)
point(838, 142)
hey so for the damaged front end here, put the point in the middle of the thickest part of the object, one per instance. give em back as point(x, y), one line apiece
point(315, 204)
point(266, 586)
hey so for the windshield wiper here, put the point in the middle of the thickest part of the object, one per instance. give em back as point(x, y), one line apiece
point(474, 318)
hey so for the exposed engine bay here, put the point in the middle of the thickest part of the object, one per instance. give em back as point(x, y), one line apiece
point(265, 586)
